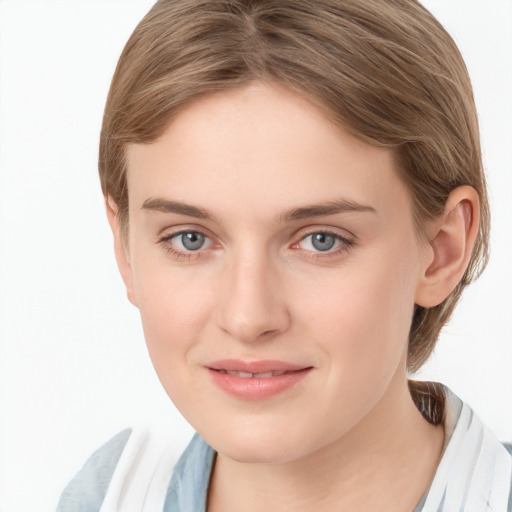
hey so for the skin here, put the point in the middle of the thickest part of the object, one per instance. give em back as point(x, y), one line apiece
point(347, 437)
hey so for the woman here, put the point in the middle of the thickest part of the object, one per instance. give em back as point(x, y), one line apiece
point(297, 201)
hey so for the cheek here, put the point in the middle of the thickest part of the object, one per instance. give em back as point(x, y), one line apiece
point(361, 314)
point(174, 313)
point(174, 308)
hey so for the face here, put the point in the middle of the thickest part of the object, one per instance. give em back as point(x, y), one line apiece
point(275, 264)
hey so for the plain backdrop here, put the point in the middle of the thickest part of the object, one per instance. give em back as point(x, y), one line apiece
point(73, 365)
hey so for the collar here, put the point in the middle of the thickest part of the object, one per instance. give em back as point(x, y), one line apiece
point(473, 475)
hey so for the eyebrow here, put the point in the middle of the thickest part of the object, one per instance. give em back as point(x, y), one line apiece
point(328, 208)
point(305, 212)
point(167, 206)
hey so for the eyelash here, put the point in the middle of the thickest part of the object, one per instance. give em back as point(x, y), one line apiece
point(346, 244)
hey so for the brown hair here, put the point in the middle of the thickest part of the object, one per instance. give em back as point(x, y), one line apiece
point(386, 70)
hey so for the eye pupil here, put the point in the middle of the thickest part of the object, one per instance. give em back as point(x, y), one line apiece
point(192, 241)
point(323, 241)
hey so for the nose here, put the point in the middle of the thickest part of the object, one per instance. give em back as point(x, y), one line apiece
point(252, 304)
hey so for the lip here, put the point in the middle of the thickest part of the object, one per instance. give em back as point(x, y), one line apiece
point(286, 375)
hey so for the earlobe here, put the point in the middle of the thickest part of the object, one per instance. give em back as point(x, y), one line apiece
point(120, 248)
point(451, 244)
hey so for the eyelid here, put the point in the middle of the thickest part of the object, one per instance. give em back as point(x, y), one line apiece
point(169, 231)
point(330, 230)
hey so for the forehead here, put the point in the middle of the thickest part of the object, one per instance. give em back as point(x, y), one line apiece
point(257, 145)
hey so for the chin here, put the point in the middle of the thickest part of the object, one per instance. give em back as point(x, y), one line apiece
point(254, 446)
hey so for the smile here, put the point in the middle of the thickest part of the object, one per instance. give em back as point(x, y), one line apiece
point(256, 380)
point(248, 375)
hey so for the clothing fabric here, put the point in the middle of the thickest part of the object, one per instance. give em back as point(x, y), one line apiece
point(474, 474)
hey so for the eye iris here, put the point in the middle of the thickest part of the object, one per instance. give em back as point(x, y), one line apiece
point(192, 241)
point(323, 241)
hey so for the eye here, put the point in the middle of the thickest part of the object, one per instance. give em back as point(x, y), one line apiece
point(324, 242)
point(189, 241)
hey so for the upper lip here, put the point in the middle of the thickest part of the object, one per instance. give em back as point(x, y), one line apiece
point(263, 366)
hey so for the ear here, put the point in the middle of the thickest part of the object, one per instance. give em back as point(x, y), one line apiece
point(450, 245)
point(120, 248)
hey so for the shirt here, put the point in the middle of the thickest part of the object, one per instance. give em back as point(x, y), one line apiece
point(136, 472)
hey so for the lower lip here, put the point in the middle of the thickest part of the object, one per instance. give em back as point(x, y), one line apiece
point(255, 388)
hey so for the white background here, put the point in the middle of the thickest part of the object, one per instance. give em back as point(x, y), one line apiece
point(73, 366)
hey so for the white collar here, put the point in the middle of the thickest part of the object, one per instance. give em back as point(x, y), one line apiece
point(475, 470)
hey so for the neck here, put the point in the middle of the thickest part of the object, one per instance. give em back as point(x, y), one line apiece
point(385, 463)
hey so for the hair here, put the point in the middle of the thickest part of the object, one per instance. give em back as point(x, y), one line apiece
point(385, 70)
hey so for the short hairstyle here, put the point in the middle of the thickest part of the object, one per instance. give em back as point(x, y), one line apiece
point(385, 70)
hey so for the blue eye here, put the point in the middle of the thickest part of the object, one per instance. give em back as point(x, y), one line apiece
point(189, 240)
point(322, 241)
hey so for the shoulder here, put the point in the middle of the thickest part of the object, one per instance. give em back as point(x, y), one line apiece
point(86, 492)
point(475, 469)
point(131, 472)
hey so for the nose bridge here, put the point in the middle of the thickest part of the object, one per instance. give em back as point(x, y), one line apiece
point(251, 306)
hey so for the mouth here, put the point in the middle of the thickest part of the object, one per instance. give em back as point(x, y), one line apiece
point(256, 380)
point(249, 375)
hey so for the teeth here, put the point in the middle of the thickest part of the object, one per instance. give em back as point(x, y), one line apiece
point(243, 375)
point(265, 375)
point(247, 375)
